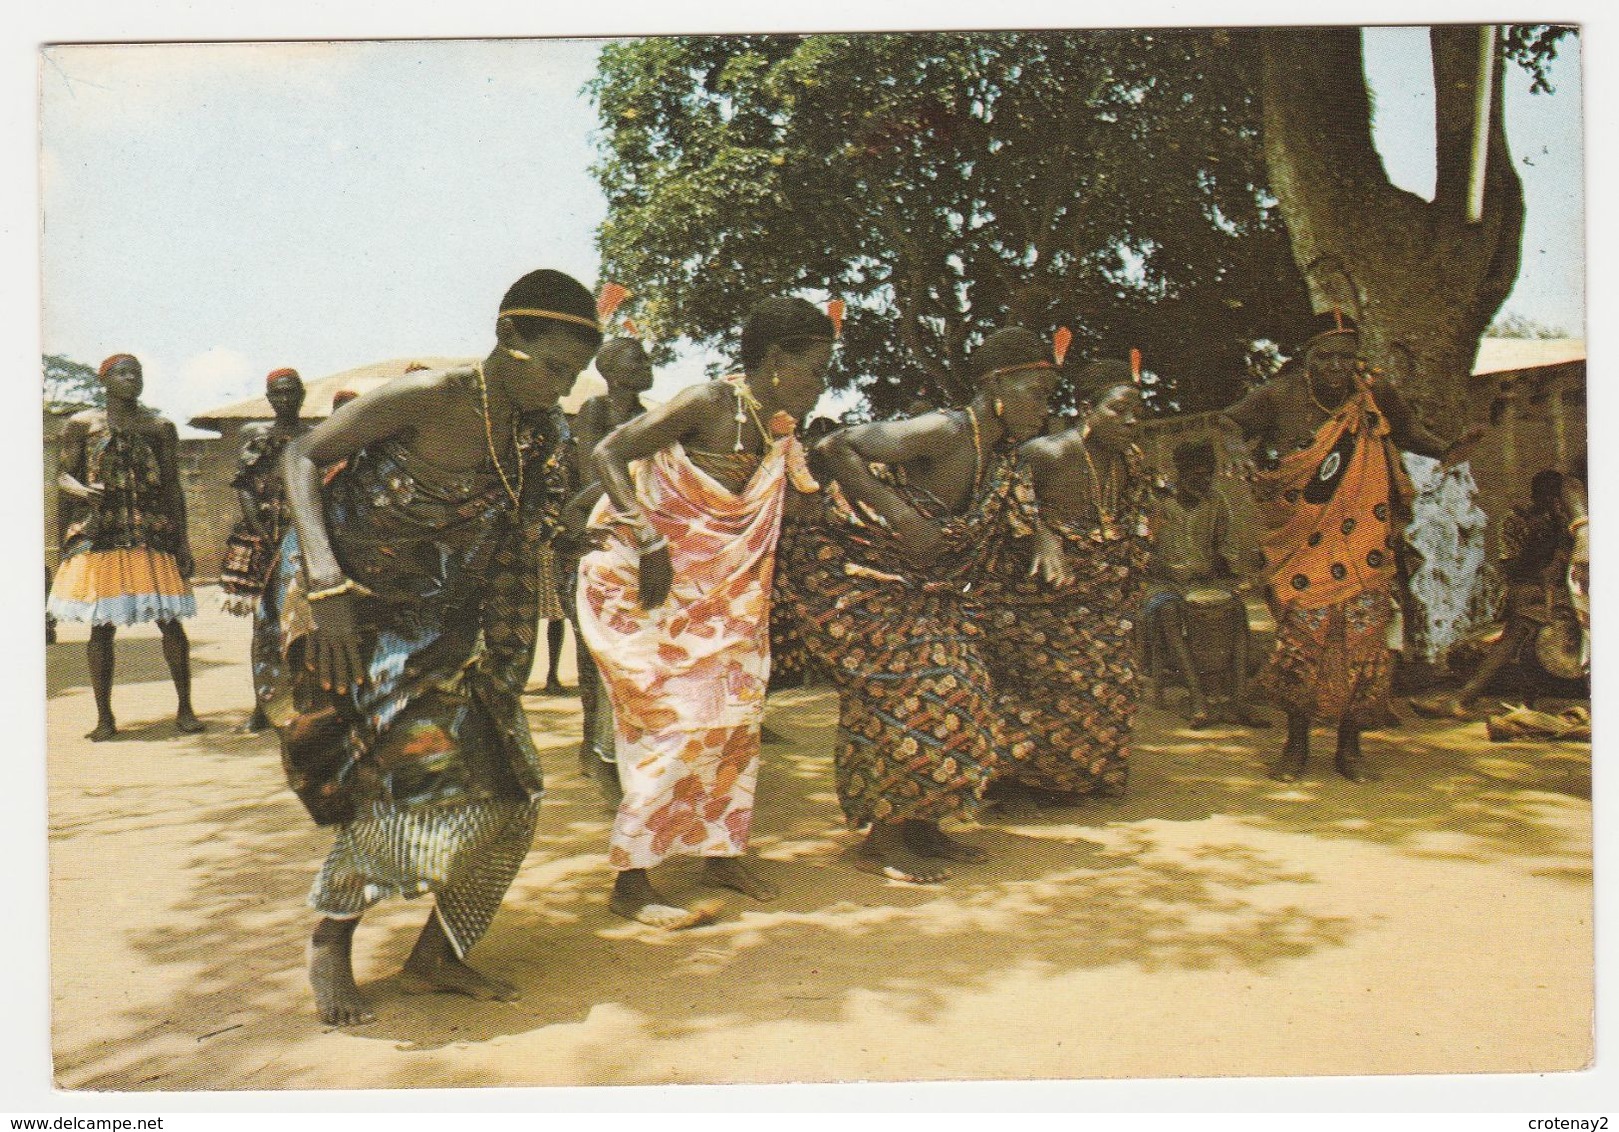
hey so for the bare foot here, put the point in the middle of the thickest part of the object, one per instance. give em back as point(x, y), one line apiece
point(733, 873)
point(188, 723)
point(669, 917)
point(256, 722)
point(926, 839)
point(105, 729)
point(452, 976)
point(337, 999)
point(634, 898)
point(884, 854)
point(554, 687)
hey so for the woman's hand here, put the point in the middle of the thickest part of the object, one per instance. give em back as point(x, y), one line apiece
point(920, 540)
point(1050, 565)
point(1579, 566)
point(336, 651)
point(576, 512)
point(1240, 463)
point(656, 573)
point(92, 493)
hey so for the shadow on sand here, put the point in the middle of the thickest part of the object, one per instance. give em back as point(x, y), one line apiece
point(1086, 888)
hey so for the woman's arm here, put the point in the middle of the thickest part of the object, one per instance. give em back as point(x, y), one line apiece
point(849, 452)
point(1579, 529)
point(589, 429)
point(637, 439)
point(1239, 425)
point(1411, 435)
point(391, 410)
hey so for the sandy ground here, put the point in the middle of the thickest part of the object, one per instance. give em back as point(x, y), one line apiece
point(1215, 923)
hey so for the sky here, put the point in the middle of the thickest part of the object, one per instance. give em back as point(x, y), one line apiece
point(222, 210)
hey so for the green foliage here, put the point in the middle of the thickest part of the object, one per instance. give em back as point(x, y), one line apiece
point(70, 384)
point(944, 184)
point(1533, 47)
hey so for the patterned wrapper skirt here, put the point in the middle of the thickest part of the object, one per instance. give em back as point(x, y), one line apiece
point(917, 728)
point(551, 585)
point(1066, 684)
point(1064, 664)
point(120, 587)
point(1334, 663)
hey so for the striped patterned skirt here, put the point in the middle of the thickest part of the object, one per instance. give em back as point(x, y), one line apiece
point(466, 855)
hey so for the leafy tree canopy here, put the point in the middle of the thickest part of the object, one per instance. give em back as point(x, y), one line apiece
point(70, 384)
point(1533, 47)
point(944, 184)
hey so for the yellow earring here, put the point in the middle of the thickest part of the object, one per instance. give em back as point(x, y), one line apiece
point(775, 377)
point(999, 408)
point(518, 354)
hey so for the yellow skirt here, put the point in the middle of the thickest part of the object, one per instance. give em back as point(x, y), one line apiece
point(120, 587)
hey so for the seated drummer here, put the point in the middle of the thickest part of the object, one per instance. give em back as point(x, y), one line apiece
point(1195, 555)
point(1539, 544)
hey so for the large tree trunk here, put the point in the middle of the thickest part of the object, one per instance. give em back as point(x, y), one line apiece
point(1421, 280)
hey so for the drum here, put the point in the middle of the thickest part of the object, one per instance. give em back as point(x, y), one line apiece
point(1209, 597)
point(1558, 648)
point(1212, 622)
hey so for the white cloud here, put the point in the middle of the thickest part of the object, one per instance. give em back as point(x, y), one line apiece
point(217, 375)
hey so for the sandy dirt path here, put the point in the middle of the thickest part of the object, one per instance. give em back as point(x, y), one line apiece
point(1214, 923)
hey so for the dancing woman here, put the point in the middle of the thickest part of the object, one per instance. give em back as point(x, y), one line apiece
point(675, 606)
point(397, 631)
point(250, 550)
point(125, 558)
point(1061, 640)
point(880, 587)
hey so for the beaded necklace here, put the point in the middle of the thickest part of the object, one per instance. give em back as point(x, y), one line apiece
point(1105, 495)
point(516, 494)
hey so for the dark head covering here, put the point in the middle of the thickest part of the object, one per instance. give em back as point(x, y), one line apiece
point(790, 323)
point(1328, 324)
point(1009, 349)
point(547, 299)
point(1096, 378)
